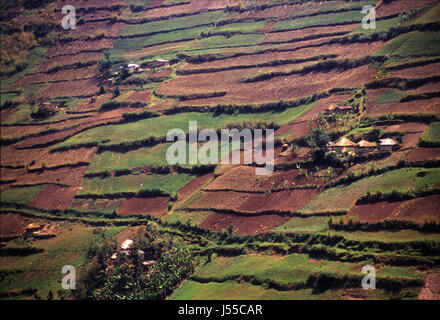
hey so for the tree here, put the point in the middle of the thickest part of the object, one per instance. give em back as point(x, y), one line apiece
point(116, 92)
point(101, 90)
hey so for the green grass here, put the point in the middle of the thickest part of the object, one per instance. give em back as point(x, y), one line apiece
point(431, 16)
point(236, 40)
point(343, 197)
point(381, 25)
point(290, 269)
point(432, 133)
point(135, 183)
point(158, 127)
point(245, 27)
point(386, 236)
point(171, 24)
point(230, 290)
point(123, 45)
point(22, 195)
point(414, 43)
point(390, 95)
point(308, 224)
point(319, 20)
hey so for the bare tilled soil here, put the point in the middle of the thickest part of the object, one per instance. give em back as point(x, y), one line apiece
point(71, 177)
point(417, 72)
point(431, 291)
point(12, 224)
point(194, 185)
point(94, 29)
point(75, 47)
point(243, 225)
point(79, 88)
point(278, 88)
point(66, 60)
point(54, 197)
point(61, 75)
point(282, 201)
point(243, 178)
point(414, 210)
point(157, 206)
point(411, 107)
point(420, 154)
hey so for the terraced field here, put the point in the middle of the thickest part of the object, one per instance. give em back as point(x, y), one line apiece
point(84, 147)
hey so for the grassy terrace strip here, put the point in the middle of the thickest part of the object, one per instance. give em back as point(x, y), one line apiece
point(401, 83)
point(343, 197)
point(323, 66)
point(146, 132)
point(259, 65)
point(431, 137)
point(133, 185)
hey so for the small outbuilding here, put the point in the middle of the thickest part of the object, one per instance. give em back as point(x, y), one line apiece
point(387, 144)
point(345, 145)
point(365, 146)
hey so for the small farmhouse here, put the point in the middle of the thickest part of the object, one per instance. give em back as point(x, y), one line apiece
point(365, 146)
point(387, 144)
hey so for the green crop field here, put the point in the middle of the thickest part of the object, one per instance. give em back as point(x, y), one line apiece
point(22, 195)
point(432, 134)
point(135, 183)
point(413, 44)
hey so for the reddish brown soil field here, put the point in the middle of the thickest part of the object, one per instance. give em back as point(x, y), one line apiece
point(400, 6)
point(79, 88)
point(411, 107)
point(96, 28)
point(243, 178)
point(431, 291)
point(194, 185)
point(69, 59)
point(415, 210)
point(75, 47)
point(420, 154)
point(54, 197)
point(284, 201)
point(12, 224)
point(61, 75)
point(71, 177)
point(278, 88)
point(157, 206)
point(143, 96)
point(417, 72)
point(243, 225)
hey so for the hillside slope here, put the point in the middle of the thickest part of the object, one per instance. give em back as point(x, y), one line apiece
point(83, 143)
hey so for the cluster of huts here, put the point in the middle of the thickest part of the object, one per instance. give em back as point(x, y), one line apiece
point(128, 251)
point(361, 147)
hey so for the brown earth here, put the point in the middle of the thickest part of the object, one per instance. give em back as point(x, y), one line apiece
point(431, 291)
point(243, 225)
point(414, 210)
point(278, 88)
point(194, 185)
point(75, 47)
point(421, 154)
point(284, 201)
point(12, 224)
point(417, 72)
point(157, 206)
point(75, 88)
point(54, 197)
point(400, 6)
point(243, 178)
